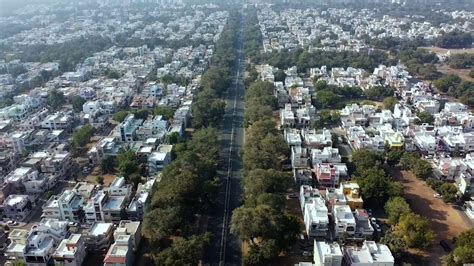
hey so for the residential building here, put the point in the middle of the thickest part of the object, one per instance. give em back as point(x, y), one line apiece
point(16, 249)
point(316, 217)
point(327, 254)
point(159, 159)
point(133, 229)
point(120, 253)
point(99, 236)
point(364, 229)
point(17, 207)
point(351, 191)
point(71, 251)
point(344, 221)
point(67, 206)
point(370, 253)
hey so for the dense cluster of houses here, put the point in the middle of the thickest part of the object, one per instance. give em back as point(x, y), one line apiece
point(346, 29)
point(332, 206)
point(53, 219)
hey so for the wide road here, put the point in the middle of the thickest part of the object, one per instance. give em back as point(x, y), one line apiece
point(226, 248)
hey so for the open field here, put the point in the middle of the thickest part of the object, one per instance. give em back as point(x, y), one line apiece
point(462, 73)
point(445, 221)
point(439, 50)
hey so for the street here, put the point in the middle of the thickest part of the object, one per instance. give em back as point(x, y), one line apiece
point(226, 248)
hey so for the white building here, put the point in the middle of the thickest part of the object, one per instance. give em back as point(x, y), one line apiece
point(370, 253)
point(344, 221)
point(327, 254)
point(316, 218)
point(159, 159)
point(71, 251)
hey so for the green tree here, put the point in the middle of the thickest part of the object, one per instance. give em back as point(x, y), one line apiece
point(77, 103)
point(165, 111)
point(260, 181)
point(408, 159)
point(389, 103)
point(107, 165)
point(395, 243)
point(394, 157)
point(327, 98)
point(464, 252)
point(415, 231)
point(99, 179)
point(141, 114)
point(173, 138)
point(422, 169)
point(396, 207)
point(127, 163)
point(55, 99)
point(425, 117)
point(159, 223)
point(448, 192)
point(120, 116)
point(82, 136)
point(207, 109)
point(374, 185)
point(184, 251)
point(320, 85)
point(365, 159)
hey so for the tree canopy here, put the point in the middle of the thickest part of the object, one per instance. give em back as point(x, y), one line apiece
point(415, 231)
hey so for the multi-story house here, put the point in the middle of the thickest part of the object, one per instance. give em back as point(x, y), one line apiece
point(121, 252)
point(68, 206)
point(17, 207)
point(133, 229)
point(159, 159)
point(316, 218)
point(364, 229)
point(326, 155)
point(299, 157)
point(351, 191)
point(344, 221)
point(99, 236)
point(313, 139)
point(327, 254)
point(43, 239)
point(307, 193)
point(16, 249)
point(94, 208)
point(370, 253)
point(71, 251)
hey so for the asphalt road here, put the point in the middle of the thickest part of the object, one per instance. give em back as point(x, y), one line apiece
point(226, 248)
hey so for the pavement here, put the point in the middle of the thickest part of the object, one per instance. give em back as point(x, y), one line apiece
point(226, 249)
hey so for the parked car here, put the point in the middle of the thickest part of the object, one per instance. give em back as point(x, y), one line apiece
point(11, 222)
point(445, 245)
point(292, 196)
point(307, 253)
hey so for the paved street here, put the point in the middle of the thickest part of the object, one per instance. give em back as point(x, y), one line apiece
point(226, 248)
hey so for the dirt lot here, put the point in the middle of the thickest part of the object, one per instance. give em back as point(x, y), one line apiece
point(439, 50)
point(462, 73)
point(445, 221)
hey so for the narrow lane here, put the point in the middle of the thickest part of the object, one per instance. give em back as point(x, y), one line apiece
point(226, 248)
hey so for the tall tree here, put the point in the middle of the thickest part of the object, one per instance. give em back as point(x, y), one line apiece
point(415, 231)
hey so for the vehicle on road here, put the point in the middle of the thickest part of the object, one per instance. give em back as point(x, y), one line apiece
point(445, 245)
point(437, 195)
point(11, 222)
point(307, 253)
